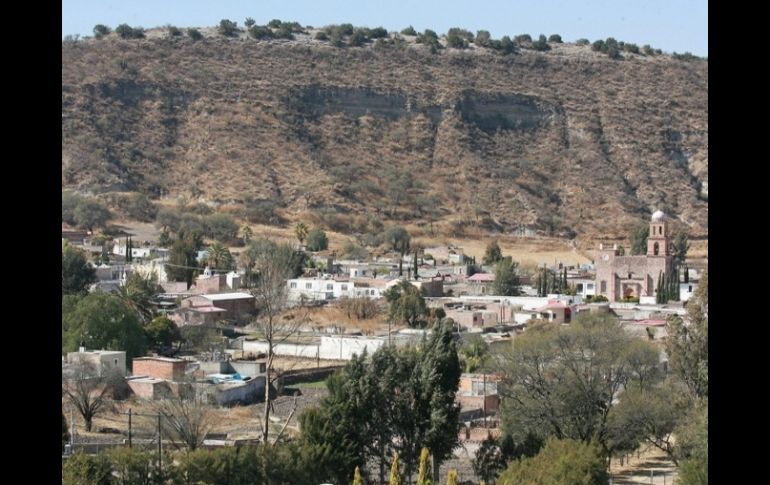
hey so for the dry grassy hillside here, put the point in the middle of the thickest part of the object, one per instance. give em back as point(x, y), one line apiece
point(547, 143)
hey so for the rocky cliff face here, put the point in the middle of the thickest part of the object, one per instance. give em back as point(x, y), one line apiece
point(564, 142)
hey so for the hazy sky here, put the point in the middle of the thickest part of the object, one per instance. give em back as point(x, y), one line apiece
point(671, 25)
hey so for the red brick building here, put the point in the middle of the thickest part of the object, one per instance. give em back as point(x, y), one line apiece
point(160, 367)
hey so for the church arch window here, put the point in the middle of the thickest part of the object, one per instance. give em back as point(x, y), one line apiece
point(656, 249)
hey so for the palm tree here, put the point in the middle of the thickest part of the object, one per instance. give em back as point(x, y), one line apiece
point(301, 231)
point(219, 256)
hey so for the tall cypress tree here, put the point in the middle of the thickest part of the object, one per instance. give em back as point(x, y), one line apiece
point(415, 265)
point(659, 296)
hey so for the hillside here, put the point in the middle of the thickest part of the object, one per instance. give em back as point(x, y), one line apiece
point(528, 143)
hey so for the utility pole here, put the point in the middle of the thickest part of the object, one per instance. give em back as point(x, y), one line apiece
point(160, 449)
point(129, 427)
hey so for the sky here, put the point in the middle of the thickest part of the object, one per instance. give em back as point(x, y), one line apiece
point(670, 25)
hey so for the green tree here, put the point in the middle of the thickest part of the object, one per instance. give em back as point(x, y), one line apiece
point(680, 248)
point(139, 292)
point(89, 214)
point(407, 304)
point(249, 22)
point(409, 31)
point(317, 240)
point(162, 332)
point(103, 321)
point(357, 480)
point(194, 34)
point(687, 345)
point(506, 278)
point(493, 254)
point(301, 230)
point(565, 382)
point(439, 379)
point(76, 273)
point(246, 233)
point(228, 28)
point(451, 477)
point(541, 44)
point(100, 30)
point(221, 227)
point(132, 466)
point(555, 38)
point(560, 462)
point(399, 240)
point(474, 352)
point(183, 263)
point(395, 474)
point(423, 470)
point(83, 469)
point(220, 258)
point(639, 240)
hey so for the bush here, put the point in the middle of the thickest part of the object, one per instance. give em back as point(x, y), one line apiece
point(141, 208)
point(633, 48)
point(100, 30)
point(316, 240)
point(228, 28)
point(275, 23)
point(127, 32)
point(541, 44)
point(360, 307)
point(596, 299)
point(378, 33)
point(260, 32)
point(555, 38)
point(458, 38)
point(321, 35)
point(687, 56)
point(409, 31)
point(250, 22)
point(194, 34)
point(483, 39)
point(582, 42)
point(346, 29)
point(648, 50)
point(221, 227)
point(173, 31)
point(519, 39)
point(358, 38)
point(261, 212)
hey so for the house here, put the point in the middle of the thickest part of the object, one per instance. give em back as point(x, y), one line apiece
point(555, 311)
point(478, 391)
point(240, 307)
point(198, 315)
point(583, 286)
point(160, 368)
point(619, 277)
point(480, 283)
point(102, 360)
point(319, 288)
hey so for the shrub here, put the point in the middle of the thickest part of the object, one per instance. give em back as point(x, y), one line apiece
point(582, 42)
point(541, 44)
point(359, 307)
point(141, 208)
point(275, 23)
point(633, 48)
point(483, 39)
point(173, 31)
point(260, 32)
point(648, 50)
point(316, 240)
point(221, 227)
point(194, 34)
point(458, 38)
point(358, 38)
point(228, 28)
point(378, 33)
point(409, 31)
point(100, 30)
point(519, 39)
point(321, 35)
point(555, 38)
point(127, 32)
point(687, 56)
point(249, 22)
point(346, 29)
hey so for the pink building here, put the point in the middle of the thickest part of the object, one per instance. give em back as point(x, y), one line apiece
point(635, 276)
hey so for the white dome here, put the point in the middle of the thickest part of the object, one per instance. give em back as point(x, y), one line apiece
point(659, 216)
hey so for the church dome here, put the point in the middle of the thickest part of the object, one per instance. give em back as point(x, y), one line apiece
point(659, 216)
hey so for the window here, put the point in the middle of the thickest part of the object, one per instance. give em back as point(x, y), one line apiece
point(262, 367)
point(308, 286)
point(329, 286)
point(603, 286)
point(590, 286)
point(344, 287)
point(689, 289)
point(116, 361)
point(656, 249)
point(371, 292)
point(579, 287)
point(293, 285)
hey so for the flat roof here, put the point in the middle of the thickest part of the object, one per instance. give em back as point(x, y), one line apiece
point(162, 359)
point(227, 296)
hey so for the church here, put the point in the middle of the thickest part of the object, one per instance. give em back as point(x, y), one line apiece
point(619, 277)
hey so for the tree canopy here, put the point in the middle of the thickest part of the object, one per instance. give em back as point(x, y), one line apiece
point(506, 278)
point(76, 273)
point(407, 304)
point(560, 462)
point(492, 254)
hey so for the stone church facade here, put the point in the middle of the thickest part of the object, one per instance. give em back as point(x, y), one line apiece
point(635, 276)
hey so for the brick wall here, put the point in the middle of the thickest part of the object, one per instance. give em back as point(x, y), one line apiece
point(171, 369)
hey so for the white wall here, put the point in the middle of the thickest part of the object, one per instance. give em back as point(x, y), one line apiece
point(331, 347)
point(686, 290)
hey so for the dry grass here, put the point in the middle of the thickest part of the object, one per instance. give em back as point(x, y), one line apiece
point(216, 116)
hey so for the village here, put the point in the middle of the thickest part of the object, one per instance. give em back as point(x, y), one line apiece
point(336, 310)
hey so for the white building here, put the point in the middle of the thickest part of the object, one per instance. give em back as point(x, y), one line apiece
point(323, 288)
point(583, 286)
point(686, 290)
